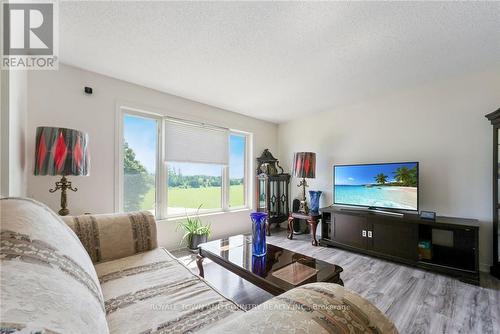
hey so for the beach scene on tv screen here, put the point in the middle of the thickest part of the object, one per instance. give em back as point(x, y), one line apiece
point(383, 185)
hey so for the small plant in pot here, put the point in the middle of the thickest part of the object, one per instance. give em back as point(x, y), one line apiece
point(195, 232)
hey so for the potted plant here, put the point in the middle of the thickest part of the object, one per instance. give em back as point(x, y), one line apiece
point(195, 232)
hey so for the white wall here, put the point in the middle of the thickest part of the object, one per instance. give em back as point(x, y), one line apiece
point(56, 98)
point(13, 172)
point(18, 108)
point(441, 125)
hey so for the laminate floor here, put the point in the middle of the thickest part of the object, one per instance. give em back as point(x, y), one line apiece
point(417, 301)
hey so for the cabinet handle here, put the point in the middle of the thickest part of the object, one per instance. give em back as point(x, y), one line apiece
point(370, 234)
point(363, 233)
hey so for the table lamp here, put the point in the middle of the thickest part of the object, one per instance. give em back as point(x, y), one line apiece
point(304, 166)
point(61, 151)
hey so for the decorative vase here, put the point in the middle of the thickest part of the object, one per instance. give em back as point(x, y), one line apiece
point(315, 195)
point(258, 233)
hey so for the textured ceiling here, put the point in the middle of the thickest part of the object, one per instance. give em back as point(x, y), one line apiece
point(276, 61)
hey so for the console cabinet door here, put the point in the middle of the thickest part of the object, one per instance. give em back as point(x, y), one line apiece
point(396, 238)
point(348, 230)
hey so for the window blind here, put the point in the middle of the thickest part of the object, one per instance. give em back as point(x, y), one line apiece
point(187, 142)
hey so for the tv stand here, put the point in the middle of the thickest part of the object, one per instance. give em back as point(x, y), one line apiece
point(455, 241)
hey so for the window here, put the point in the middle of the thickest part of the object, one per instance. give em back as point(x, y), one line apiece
point(198, 166)
point(237, 154)
point(140, 141)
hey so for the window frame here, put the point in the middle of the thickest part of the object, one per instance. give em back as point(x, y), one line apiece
point(246, 170)
point(161, 175)
point(119, 178)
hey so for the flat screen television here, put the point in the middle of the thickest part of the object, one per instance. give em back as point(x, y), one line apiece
point(377, 186)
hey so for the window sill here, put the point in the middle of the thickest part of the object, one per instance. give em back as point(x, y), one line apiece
point(207, 214)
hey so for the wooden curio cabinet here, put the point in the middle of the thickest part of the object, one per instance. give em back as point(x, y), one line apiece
point(494, 118)
point(272, 189)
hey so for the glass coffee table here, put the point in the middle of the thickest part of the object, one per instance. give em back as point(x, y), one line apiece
point(276, 272)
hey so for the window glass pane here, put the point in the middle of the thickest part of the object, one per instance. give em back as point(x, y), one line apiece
point(139, 163)
point(236, 170)
point(191, 185)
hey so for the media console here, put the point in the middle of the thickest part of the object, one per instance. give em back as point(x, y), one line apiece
point(454, 242)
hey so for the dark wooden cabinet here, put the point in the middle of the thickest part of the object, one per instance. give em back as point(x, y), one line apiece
point(394, 238)
point(272, 189)
point(375, 234)
point(397, 238)
point(272, 197)
point(494, 118)
point(348, 230)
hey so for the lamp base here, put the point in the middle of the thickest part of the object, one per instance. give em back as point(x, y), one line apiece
point(63, 212)
point(63, 185)
point(303, 202)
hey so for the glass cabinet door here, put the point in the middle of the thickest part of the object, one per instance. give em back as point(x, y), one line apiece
point(283, 198)
point(262, 194)
point(273, 199)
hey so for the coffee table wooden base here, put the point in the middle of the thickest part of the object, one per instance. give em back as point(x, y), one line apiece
point(199, 263)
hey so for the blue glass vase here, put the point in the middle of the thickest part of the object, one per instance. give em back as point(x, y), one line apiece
point(315, 195)
point(258, 233)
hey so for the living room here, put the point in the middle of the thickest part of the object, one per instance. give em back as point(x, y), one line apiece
point(225, 116)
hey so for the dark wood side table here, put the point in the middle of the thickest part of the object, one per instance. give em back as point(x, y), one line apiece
point(312, 219)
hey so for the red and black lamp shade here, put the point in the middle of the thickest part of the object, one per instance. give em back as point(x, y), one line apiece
point(304, 165)
point(61, 151)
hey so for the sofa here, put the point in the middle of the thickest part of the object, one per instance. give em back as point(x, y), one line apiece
point(106, 274)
